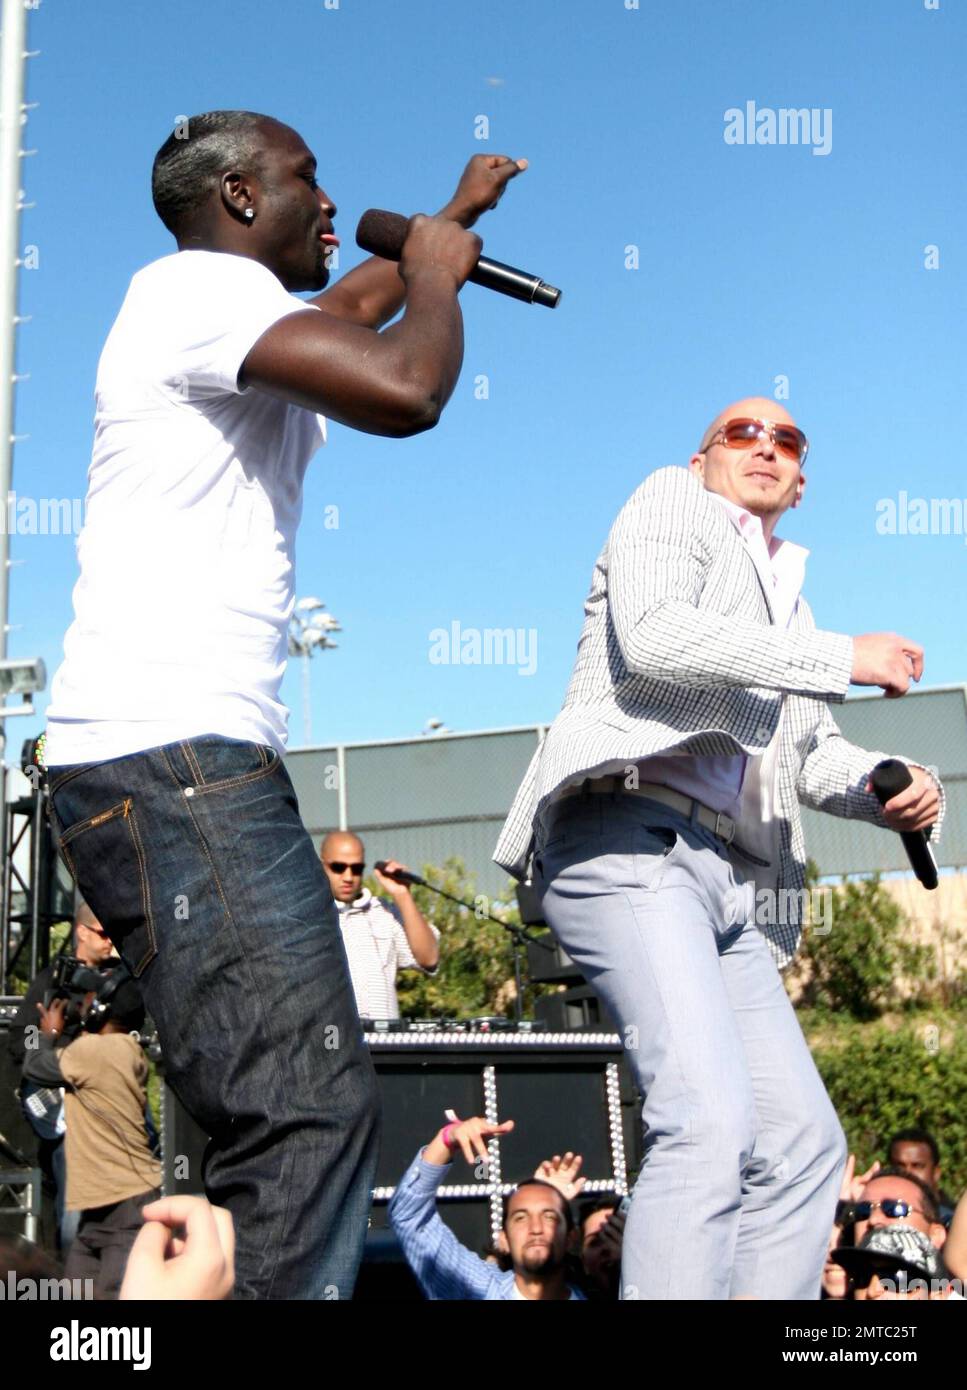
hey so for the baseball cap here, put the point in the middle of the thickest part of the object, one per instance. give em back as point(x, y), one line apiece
point(889, 1251)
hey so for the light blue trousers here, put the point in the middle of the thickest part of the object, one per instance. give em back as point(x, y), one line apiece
point(744, 1153)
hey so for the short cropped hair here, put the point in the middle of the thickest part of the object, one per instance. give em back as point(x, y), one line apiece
point(916, 1136)
point(127, 1007)
point(196, 154)
point(931, 1204)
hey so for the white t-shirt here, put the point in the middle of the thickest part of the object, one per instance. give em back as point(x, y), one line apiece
point(187, 552)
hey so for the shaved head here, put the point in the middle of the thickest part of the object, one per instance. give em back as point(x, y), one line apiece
point(192, 160)
point(340, 844)
point(91, 943)
point(758, 407)
point(342, 848)
point(84, 914)
point(759, 478)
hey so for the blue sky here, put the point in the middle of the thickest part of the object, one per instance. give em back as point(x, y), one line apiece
point(754, 262)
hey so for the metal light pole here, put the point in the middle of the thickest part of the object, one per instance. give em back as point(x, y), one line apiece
point(13, 118)
point(26, 676)
point(307, 635)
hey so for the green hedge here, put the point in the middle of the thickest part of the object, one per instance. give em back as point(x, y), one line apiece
point(893, 1073)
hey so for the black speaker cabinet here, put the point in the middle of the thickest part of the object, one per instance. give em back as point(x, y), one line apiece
point(564, 1091)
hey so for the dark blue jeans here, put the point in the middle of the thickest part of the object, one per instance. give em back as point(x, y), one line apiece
point(197, 863)
point(67, 1221)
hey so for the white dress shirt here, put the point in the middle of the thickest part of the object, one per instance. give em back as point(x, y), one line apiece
point(377, 946)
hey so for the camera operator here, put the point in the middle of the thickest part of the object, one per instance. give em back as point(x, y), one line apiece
point(111, 1171)
point(92, 946)
point(43, 1107)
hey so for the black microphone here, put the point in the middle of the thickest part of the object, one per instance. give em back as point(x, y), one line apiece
point(398, 875)
point(889, 778)
point(383, 234)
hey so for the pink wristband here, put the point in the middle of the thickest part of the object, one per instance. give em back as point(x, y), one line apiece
point(445, 1133)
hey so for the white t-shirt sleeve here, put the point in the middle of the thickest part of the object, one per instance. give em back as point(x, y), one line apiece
point(227, 303)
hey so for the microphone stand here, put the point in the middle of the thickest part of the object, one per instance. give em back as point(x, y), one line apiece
point(518, 933)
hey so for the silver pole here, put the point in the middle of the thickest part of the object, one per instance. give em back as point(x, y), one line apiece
point(12, 120)
point(13, 53)
point(306, 698)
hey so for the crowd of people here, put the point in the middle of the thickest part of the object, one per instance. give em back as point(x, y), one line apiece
point(897, 1233)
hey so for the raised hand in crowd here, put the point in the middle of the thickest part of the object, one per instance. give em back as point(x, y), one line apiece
point(563, 1174)
point(852, 1188)
point(469, 1136)
point(53, 1017)
point(835, 1282)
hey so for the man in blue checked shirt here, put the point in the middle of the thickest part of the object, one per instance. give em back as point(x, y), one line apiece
point(538, 1233)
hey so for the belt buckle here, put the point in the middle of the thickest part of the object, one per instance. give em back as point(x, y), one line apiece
point(724, 827)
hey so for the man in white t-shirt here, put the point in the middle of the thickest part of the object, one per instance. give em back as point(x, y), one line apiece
point(167, 791)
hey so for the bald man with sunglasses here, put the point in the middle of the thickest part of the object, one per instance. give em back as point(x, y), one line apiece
point(660, 823)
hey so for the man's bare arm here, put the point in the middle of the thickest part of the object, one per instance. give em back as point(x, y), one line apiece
point(372, 293)
point(394, 383)
point(955, 1246)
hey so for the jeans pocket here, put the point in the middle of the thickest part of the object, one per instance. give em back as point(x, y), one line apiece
point(221, 764)
point(106, 858)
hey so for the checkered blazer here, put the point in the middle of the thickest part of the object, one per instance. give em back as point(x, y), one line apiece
point(679, 650)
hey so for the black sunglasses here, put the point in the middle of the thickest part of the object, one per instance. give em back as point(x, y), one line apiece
point(892, 1208)
point(339, 868)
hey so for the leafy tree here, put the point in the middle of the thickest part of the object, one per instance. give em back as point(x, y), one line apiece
point(476, 973)
point(853, 968)
point(887, 1075)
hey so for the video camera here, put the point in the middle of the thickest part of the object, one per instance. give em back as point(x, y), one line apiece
point(74, 980)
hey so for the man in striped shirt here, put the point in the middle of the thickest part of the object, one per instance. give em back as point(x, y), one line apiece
point(379, 940)
point(537, 1238)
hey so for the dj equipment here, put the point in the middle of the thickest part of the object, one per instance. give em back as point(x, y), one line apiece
point(25, 1209)
point(576, 1005)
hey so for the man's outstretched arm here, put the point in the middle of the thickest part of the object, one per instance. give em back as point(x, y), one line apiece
point(444, 1268)
point(372, 293)
point(835, 778)
point(658, 562)
point(395, 383)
